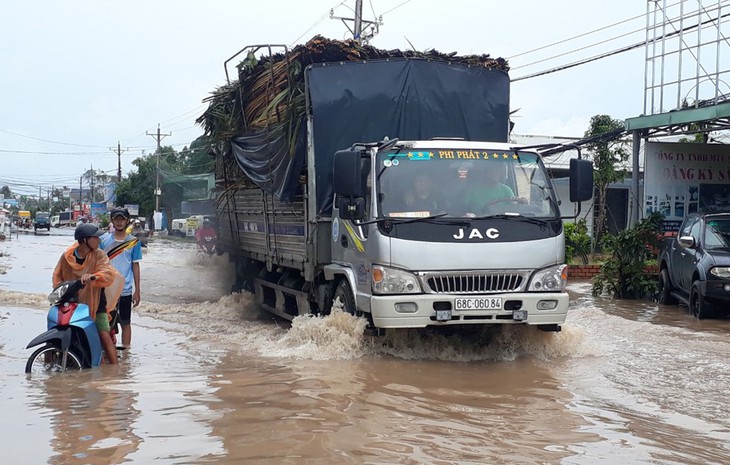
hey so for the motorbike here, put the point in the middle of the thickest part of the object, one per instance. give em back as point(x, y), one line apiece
point(142, 236)
point(207, 244)
point(72, 340)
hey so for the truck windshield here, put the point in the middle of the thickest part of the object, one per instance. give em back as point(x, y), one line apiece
point(416, 183)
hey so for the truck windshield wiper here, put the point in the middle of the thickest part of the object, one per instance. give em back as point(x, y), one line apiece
point(515, 216)
point(428, 219)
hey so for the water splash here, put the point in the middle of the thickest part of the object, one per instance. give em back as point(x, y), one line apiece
point(338, 335)
point(237, 322)
point(23, 299)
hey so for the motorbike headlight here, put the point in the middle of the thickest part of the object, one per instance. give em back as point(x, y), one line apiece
point(551, 279)
point(393, 281)
point(720, 271)
point(56, 294)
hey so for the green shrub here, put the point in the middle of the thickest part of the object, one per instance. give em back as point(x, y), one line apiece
point(577, 242)
point(623, 274)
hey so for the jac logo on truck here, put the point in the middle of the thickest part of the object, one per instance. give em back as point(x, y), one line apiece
point(490, 233)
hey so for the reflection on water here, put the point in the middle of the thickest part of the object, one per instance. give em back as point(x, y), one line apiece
point(151, 407)
point(376, 411)
point(90, 422)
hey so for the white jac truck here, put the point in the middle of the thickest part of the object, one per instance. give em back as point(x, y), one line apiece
point(62, 219)
point(332, 220)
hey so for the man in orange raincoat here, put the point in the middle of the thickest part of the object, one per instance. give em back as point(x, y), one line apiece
point(83, 260)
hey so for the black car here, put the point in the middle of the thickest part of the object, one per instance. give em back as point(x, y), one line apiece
point(695, 265)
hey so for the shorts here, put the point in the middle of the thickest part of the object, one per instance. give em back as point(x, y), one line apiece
point(125, 310)
point(102, 321)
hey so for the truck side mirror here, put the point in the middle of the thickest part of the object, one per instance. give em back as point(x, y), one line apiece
point(581, 180)
point(348, 174)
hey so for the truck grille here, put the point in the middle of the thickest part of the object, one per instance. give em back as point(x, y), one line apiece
point(474, 283)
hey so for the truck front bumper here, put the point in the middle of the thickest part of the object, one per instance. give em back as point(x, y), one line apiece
point(420, 310)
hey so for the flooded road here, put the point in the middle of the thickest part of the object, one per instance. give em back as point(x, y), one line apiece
point(211, 379)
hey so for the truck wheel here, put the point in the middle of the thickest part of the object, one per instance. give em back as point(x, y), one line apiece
point(665, 289)
point(343, 293)
point(697, 304)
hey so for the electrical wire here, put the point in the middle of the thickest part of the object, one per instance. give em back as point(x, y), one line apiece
point(316, 23)
point(615, 52)
point(578, 49)
point(396, 7)
point(582, 35)
point(49, 141)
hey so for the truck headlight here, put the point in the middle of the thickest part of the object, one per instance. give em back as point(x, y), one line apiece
point(720, 271)
point(551, 279)
point(393, 281)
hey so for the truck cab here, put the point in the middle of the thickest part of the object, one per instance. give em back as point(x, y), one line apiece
point(483, 244)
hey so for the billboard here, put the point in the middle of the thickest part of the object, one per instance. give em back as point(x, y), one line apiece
point(133, 209)
point(110, 193)
point(684, 178)
point(98, 209)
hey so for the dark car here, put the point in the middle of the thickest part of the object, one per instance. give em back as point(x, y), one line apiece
point(694, 267)
point(42, 220)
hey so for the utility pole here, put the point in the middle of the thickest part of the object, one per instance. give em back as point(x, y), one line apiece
point(357, 27)
point(356, 30)
point(119, 152)
point(93, 175)
point(158, 137)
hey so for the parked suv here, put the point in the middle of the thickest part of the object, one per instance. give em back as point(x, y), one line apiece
point(694, 266)
point(42, 221)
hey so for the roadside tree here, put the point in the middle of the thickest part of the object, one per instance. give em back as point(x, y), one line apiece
point(609, 158)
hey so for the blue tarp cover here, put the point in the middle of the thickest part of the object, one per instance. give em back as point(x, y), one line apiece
point(351, 102)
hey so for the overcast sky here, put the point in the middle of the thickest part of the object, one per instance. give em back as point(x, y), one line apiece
point(78, 76)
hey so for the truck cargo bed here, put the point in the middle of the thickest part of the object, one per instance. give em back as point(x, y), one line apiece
point(259, 226)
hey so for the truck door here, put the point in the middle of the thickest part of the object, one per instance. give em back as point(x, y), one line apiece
point(350, 237)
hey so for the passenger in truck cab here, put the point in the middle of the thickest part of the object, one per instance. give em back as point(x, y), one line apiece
point(486, 189)
point(420, 197)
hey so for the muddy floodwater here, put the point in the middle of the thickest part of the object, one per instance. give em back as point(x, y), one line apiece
point(211, 379)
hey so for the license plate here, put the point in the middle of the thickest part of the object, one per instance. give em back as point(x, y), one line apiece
point(478, 303)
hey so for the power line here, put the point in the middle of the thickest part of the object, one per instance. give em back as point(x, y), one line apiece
point(580, 35)
point(51, 153)
point(579, 49)
point(194, 110)
point(46, 140)
point(316, 23)
point(618, 51)
point(396, 7)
